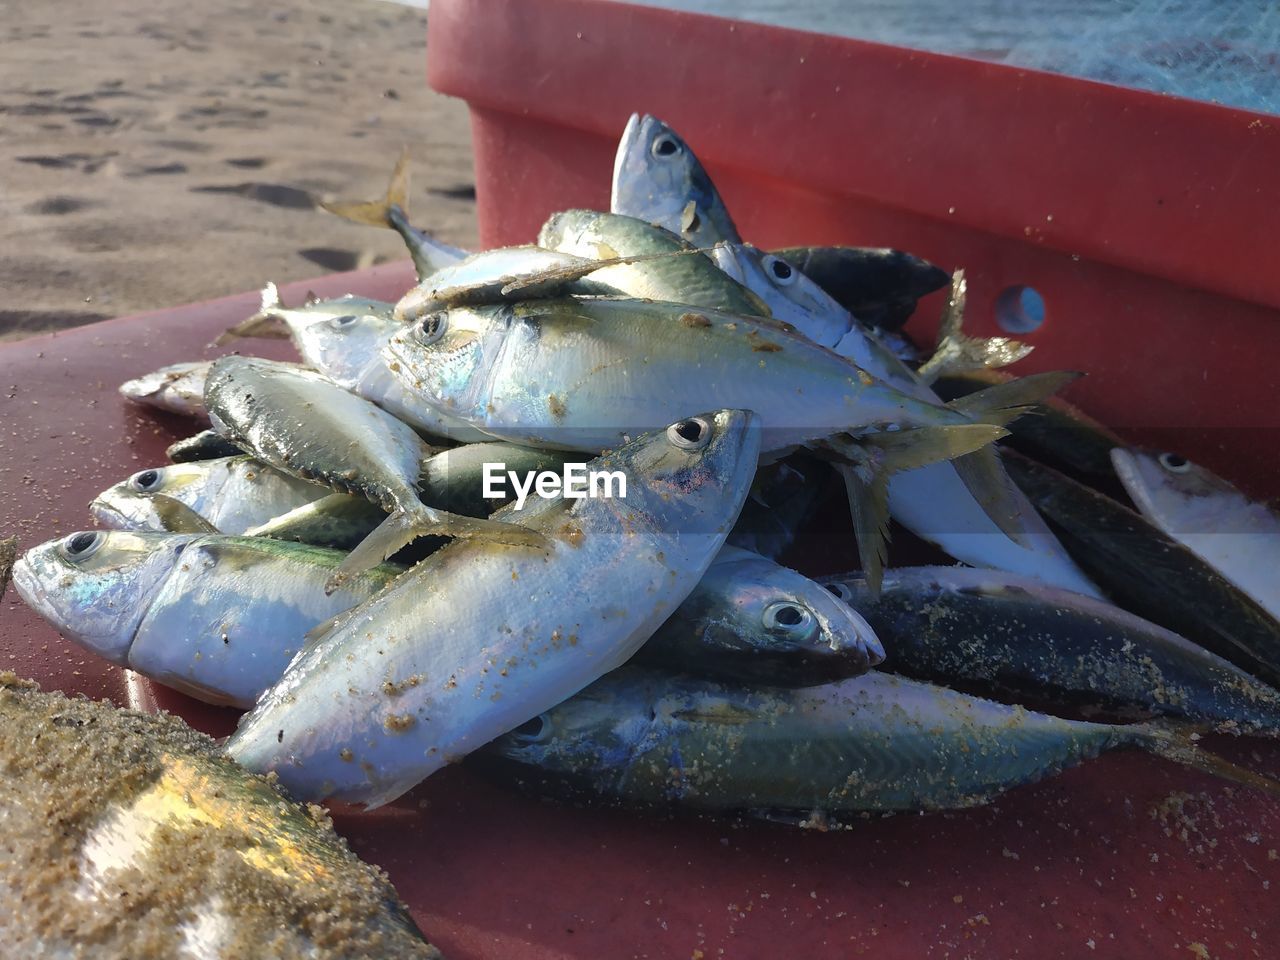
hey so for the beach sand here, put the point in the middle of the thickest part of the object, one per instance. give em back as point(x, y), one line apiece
point(155, 152)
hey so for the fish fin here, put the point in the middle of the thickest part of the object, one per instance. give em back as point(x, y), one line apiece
point(327, 626)
point(957, 353)
point(866, 463)
point(377, 213)
point(985, 477)
point(177, 517)
point(267, 323)
point(311, 298)
point(404, 526)
point(1179, 745)
point(1002, 403)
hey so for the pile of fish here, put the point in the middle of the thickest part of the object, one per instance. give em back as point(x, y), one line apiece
point(382, 555)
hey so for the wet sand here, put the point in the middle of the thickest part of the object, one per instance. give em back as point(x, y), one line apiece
point(154, 153)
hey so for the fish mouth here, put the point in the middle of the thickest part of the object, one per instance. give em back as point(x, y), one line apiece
point(620, 158)
point(27, 582)
point(109, 516)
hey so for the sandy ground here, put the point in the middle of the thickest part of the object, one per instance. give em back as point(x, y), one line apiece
point(156, 152)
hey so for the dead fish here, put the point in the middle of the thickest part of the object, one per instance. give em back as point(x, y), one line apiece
point(177, 388)
point(416, 678)
point(1238, 537)
point(1012, 638)
point(305, 425)
point(206, 445)
point(871, 744)
point(1150, 573)
point(216, 617)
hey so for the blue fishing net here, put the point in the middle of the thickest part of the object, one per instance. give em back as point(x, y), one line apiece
point(1223, 51)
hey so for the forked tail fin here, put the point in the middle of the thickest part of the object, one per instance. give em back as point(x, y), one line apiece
point(378, 213)
point(267, 323)
point(956, 352)
point(1179, 744)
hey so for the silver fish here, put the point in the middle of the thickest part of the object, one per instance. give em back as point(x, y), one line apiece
point(791, 296)
point(657, 178)
point(130, 835)
point(1238, 537)
point(232, 494)
point(657, 265)
point(754, 620)
point(216, 617)
point(308, 426)
point(874, 743)
point(178, 388)
point(414, 679)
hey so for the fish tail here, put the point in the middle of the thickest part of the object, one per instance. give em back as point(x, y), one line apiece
point(381, 212)
point(956, 352)
point(866, 463)
point(404, 526)
point(1003, 403)
point(267, 323)
point(1179, 744)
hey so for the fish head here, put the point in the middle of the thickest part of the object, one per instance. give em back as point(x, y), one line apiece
point(751, 605)
point(1176, 493)
point(686, 474)
point(146, 501)
point(183, 379)
point(790, 296)
point(658, 178)
point(95, 586)
point(589, 739)
point(446, 356)
point(342, 344)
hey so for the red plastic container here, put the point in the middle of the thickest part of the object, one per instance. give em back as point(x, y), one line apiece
point(1170, 306)
point(1147, 223)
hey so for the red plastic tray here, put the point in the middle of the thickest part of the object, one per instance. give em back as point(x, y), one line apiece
point(1147, 223)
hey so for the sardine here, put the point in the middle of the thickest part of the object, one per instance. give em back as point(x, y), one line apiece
point(751, 619)
point(1150, 573)
point(178, 388)
point(274, 320)
point(216, 617)
point(342, 339)
point(130, 835)
point(657, 178)
point(232, 494)
point(1238, 537)
point(662, 271)
point(998, 635)
point(874, 743)
point(586, 373)
point(418, 677)
point(392, 212)
point(305, 425)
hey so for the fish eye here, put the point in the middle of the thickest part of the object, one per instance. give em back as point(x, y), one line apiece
point(786, 617)
point(345, 320)
point(146, 481)
point(780, 270)
point(690, 434)
point(841, 591)
point(432, 327)
point(532, 729)
point(666, 146)
point(81, 546)
point(1174, 463)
